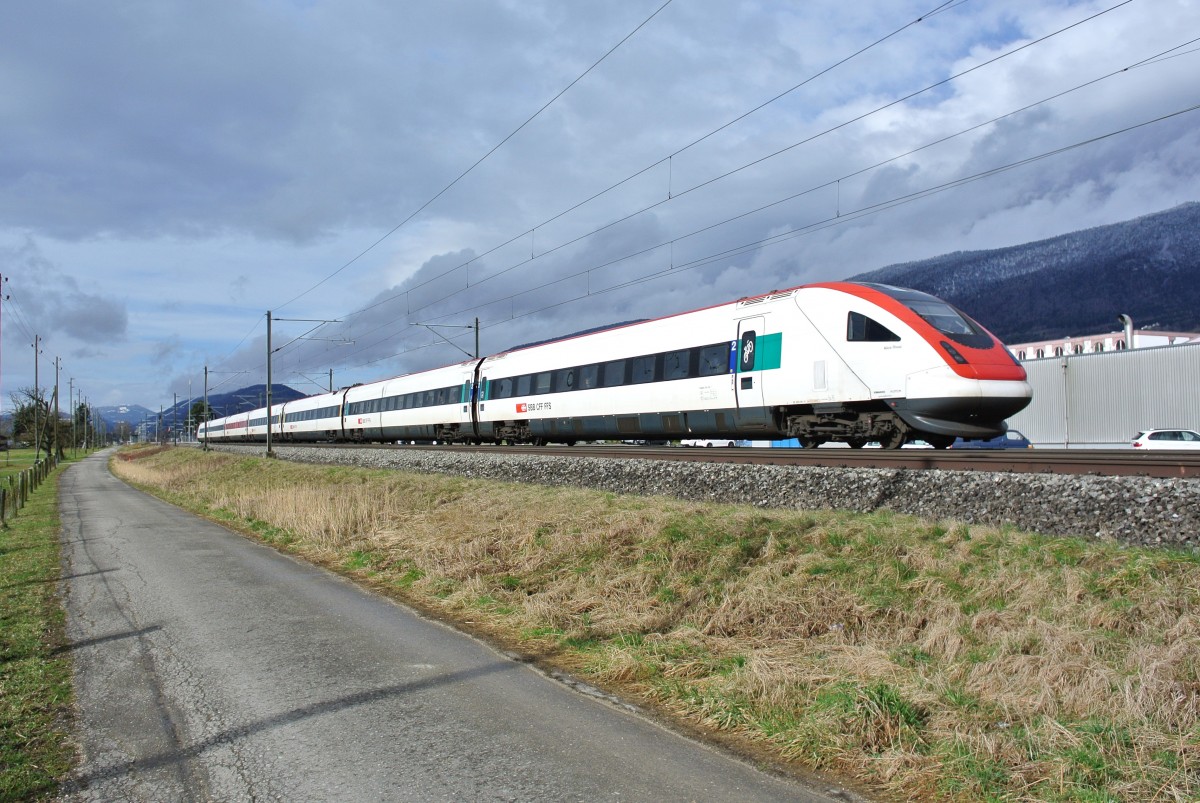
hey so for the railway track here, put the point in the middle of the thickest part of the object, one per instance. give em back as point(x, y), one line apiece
point(1115, 462)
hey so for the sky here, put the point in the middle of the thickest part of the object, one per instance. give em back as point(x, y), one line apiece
point(171, 171)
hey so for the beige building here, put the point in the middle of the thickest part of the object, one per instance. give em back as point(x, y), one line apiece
point(1093, 344)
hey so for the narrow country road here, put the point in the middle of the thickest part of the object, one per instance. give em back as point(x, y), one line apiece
point(209, 667)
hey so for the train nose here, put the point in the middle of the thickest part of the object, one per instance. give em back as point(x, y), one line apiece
point(938, 401)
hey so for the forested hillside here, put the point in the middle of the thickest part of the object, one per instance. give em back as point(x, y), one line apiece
point(1074, 284)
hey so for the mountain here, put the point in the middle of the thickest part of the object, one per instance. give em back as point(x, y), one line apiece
point(132, 414)
point(248, 398)
point(1073, 284)
point(235, 401)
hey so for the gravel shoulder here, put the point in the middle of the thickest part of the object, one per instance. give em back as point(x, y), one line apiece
point(1133, 510)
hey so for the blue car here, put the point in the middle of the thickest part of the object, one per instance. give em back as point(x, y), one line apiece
point(1009, 440)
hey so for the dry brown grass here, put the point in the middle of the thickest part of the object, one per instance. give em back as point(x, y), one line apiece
point(925, 659)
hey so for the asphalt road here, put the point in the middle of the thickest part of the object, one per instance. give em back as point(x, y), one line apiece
point(209, 667)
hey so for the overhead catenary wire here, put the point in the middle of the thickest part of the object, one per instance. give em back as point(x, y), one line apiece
point(942, 7)
point(945, 6)
point(1114, 73)
point(690, 189)
point(715, 179)
point(844, 218)
point(481, 159)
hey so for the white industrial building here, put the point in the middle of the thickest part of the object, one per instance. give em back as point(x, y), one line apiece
point(1100, 398)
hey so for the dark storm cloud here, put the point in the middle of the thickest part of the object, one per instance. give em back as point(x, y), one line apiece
point(231, 156)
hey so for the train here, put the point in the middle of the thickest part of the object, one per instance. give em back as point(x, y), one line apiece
point(853, 362)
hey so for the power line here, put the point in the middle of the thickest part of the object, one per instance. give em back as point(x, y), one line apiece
point(481, 159)
point(938, 9)
point(784, 236)
point(663, 201)
point(944, 6)
point(848, 216)
point(725, 175)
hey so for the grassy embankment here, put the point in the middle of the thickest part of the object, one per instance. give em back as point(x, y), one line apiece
point(920, 659)
point(35, 671)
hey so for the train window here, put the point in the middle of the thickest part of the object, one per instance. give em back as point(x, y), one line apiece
point(942, 316)
point(676, 364)
point(589, 377)
point(541, 382)
point(614, 373)
point(523, 384)
point(714, 360)
point(428, 399)
point(861, 329)
point(566, 380)
point(643, 369)
point(501, 388)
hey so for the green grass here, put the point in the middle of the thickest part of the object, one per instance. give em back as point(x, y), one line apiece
point(35, 670)
point(927, 660)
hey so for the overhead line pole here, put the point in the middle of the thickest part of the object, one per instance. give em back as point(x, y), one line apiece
point(270, 351)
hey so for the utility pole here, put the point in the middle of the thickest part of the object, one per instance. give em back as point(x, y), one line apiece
point(37, 402)
point(269, 452)
point(204, 416)
point(3, 298)
point(331, 380)
point(175, 421)
point(57, 421)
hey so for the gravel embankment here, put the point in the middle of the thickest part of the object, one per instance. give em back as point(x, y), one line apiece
point(1135, 510)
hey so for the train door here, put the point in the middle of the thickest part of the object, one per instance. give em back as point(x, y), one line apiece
point(749, 374)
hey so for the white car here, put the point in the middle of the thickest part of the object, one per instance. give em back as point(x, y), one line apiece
point(1167, 439)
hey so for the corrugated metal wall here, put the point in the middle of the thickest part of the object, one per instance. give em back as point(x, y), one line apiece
point(1092, 400)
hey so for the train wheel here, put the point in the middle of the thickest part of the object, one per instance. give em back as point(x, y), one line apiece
point(809, 443)
point(856, 443)
point(940, 441)
point(893, 440)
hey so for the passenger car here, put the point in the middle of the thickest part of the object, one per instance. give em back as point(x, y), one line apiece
point(1009, 440)
point(1167, 439)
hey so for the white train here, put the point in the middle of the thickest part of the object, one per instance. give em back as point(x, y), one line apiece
point(837, 361)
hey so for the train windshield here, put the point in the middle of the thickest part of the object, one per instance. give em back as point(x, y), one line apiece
point(943, 317)
point(938, 314)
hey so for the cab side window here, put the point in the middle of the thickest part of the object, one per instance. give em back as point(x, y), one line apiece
point(861, 329)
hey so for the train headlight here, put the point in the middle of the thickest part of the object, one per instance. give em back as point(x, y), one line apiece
point(953, 352)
